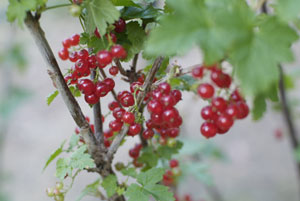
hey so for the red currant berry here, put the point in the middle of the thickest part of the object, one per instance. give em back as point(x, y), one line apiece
point(148, 134)
point(92, 61)
point(170, 115)
point(164, 87)
point(243, 110)
point(104, 58)
point(108, 134)
point(208, 129)
point(177, 95)
point(236, 96)
point(101, 89)
point(120, 26)
point(77, 130)
point(75, 39)
point(128, 118)
point(149, 124)
point(127, 100)
point(92, 128)
point(113, 37)
point(86, 86)
point(173, 132)
point(134, 87)
point(197, 72)
point(222, 131)
point(117, 51)
point(107, 143)
point(118, 113)
point(134, 129)
point(141, 78)
point(110, 83)
point(156, 94)
point(63, 54)
point(83, 54)
point(113, 70)
point(168, 101)
point(232, 111)
point(73, 56)
point(205, 90)
point(91, 99)
point(221, 79)
point(224, 122)
point(112, 105)
point(208, 113)
point(134, 153)
point(157, 119)
point(155, 107)
point(219, 103)
point(81, 66)
point(66, 43)
point(115, 125)
point(173, 163)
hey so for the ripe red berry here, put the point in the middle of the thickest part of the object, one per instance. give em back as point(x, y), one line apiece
point(208, 129)
point(134, 129)
point(157, 119)
point(83, 54)
point(170, 115)
point(86, 86)
point(134, 153)
point(117, 51)
point(110, 83)
point(156, 94)
point(104, 58)
point(127, 100)
point(92, 61)
point(112, 105)
point(75, 39)
point(173, 163)
point(221, 79)
point(91, 99)
point(232, 111)
point(66, 43)
point(101, 89)
point(208, 113)
point(73, 56)
point(167, 101)
point(236, 96)
point(134, 87)
point(164, 87)
point(205, 90)
point(107, 143)
point(224, 122)
point(197, 72)
point(149, 124)
point(115, 125)
point(113, 37)
point(219, 103)
point(63, 54)
point(155, 107)
point(128, 118)
point(113, 70)
point(148, 134)
point(108, 134)
point(120, 25)
point(81, 66)
point(243, 110)
point(177, 95)
point(173, 132)
point(118, 113)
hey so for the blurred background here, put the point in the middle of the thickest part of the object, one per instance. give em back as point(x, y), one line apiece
point(253, 162)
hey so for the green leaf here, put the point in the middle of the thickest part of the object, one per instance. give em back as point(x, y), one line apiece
point(17, 9)
point(81, 160)
point(167, 152)
point(148, 157)
point(144, 13)
point(100, 13)
point(91, 189)
point(288, 10)
point(75, 91)
point(56, 153)
point(136, 35)
point(214, 25)
point(160, 192)
point(259, 107)
point(73, 141)
point(110, 185)
point(125, 3)
point(63, 168)
point(136, 193)
point(256, 60)
point(129, 172)
point(151, 176)
point(51, 97)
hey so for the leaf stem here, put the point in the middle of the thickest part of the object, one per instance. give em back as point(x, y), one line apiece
point(57, 6)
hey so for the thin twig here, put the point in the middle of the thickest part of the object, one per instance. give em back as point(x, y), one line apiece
point(146, 87)
point(120, 67)
point(134, 62)
point(97, 116)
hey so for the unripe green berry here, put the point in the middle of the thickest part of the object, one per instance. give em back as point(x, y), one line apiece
point(171, 142)
point(75, 10)
point(176, 171)
point(50, 192)
point(59, 185)
point(119, 166)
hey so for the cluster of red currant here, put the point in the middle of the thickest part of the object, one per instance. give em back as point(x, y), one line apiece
point(222, 111)
point(170, 176)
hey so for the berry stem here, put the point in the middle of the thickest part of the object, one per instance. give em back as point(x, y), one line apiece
point(121, 69)
point(57, 6)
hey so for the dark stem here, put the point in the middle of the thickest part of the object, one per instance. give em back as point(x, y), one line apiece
point(134, 63)
point(97, 116)
point(120, 67)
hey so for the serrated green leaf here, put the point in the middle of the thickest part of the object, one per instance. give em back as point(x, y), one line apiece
point(75, 91)
point(256, 60)
point(136, 193)
point(56, 153)
point(100, 13)
point(288, 10)
point(81, 160)
point(136, 36)
point(91, 189)
point(148, 157)
point(160, 192)
point(151, 176)
point(63, 168)
point(120, 191)
point(110, 185)
point(259, 107)
point(73, 141)
point(168, 152)
point(51, 97)
point(129, 172)
point(125, 3)
point(144, 13)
